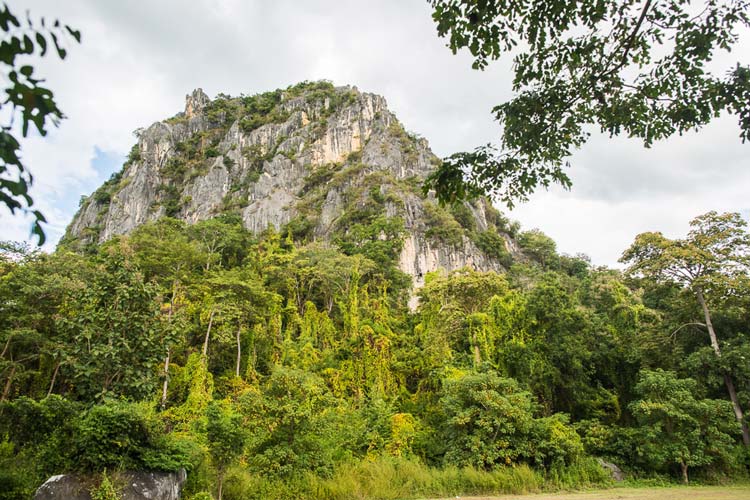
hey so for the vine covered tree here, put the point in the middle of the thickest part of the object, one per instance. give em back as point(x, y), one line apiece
point(635, 67)
point(225, 440)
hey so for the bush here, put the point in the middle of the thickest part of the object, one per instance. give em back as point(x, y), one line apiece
point(539, 247)
point(202, 495)
point(17, 480)
point(489, 420)
point(30, 422)
point(557, 442)
point(493, 245)
point(464, 216)
point(124, 435)
point(441, 226)
point(105, 490)
point(678, 429)
point(291, 423)
point(134, 155)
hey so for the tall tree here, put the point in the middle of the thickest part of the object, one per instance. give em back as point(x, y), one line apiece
point(241, 301)
point(116, 332)
point(226, 439)
point(678, 428)
point(713, 258)
point(34, 287)
point(166, 256)
point(627, 66)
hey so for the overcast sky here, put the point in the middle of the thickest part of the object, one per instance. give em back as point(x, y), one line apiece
point(138, 59)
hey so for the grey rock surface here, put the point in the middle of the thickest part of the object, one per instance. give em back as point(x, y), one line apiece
point(360, 140)
point(133, 485)
point(152, 485)
point(62, 486)
point(616, 473)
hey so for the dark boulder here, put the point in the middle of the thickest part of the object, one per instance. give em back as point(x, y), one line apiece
point(132, 485)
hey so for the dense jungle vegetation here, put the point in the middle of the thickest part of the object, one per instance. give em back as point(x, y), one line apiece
point(275, 368)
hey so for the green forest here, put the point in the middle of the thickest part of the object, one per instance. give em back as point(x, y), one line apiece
point(274, 366)
point(301, 361)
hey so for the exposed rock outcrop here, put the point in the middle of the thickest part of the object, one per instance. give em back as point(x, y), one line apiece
point(615, 472)
point(312, 155)
point(130, 485)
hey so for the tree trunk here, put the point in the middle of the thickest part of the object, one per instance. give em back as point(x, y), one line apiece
point(165, 387)
point(737, 409)
point(54, 377)
point(477, 352)
point(221, 484)
point(709, 325)
point(727, 377)
point(7, 344)
point(9, 383)
point(684, 468)
point(208, 333)
point(239, 352)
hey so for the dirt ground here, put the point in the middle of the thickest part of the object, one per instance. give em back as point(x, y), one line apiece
point(670, 493)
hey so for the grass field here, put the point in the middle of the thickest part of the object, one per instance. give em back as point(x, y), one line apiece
point(667, 493)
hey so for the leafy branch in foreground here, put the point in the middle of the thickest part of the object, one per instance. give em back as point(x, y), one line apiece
point(27, 97)
point(630, 67)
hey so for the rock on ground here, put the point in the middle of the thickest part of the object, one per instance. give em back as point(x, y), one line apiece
point(131, 486)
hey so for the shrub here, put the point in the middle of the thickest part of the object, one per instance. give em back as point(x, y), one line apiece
point(489, 420)
point(29, 422)
point(225, 438)
point(105, 490)
point(291, 425)
point(202, 495)
point(441, 226)
point(134, 155)
point(18, 479)
point(493, 245)
point(676, 428)
point(556, 442)
point(124, 435)
point(464, 216)
point(539, 247)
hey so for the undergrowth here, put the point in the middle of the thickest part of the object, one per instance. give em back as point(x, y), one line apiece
point(386, 478)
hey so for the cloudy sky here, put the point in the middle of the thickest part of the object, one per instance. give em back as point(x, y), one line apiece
point(138, 59)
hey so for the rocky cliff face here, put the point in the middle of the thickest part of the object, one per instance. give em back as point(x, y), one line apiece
point(312, 159)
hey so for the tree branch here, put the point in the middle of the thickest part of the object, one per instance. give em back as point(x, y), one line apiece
point(674, 333)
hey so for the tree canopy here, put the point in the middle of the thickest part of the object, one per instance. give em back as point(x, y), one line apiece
point(713, 260)
point(273, 368)
point(639, 68)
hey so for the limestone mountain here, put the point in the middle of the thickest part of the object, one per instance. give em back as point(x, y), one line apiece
point(315, 161)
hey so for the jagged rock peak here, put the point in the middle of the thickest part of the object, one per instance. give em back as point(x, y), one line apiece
point(195, 102)
point(312, 160)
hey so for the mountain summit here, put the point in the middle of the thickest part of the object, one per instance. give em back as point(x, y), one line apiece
point(314, 161)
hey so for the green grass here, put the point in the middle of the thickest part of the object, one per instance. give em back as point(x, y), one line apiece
point(388, 478)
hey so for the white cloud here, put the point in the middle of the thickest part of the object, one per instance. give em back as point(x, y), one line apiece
point(138, 59)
